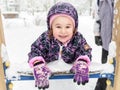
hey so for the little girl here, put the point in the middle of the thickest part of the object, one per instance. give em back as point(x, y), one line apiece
point(61, 40)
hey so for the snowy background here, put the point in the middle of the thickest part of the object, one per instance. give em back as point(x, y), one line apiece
point(22, 31)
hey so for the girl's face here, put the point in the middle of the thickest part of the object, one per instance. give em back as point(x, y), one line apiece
point(63, 29)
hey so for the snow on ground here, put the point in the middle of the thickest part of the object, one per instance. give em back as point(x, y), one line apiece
point(20, 33)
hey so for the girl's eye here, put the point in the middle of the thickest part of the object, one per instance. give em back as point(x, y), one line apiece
point(58, 27)
point(67, 26)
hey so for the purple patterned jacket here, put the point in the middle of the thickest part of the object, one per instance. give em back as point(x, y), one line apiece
point(49, 48)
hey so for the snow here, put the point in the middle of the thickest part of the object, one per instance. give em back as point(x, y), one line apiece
point(20, 34)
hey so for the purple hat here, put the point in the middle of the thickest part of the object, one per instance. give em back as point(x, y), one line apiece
point(62, 8)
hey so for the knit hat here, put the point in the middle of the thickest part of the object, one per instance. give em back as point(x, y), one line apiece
point(64, 9)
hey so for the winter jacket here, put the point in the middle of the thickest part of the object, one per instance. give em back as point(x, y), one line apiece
point(49, 48)
point(105, 13)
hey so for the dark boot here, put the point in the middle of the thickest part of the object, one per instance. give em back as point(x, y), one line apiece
point(104, 56)
point(101, 83)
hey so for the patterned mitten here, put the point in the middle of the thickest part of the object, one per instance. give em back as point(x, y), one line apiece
point(41, 75)
point(81, 72)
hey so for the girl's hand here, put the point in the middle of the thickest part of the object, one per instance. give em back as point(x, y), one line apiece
point(41, 74)
point(81, 72)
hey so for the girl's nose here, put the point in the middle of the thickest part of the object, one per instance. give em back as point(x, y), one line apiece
point(63, 31)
